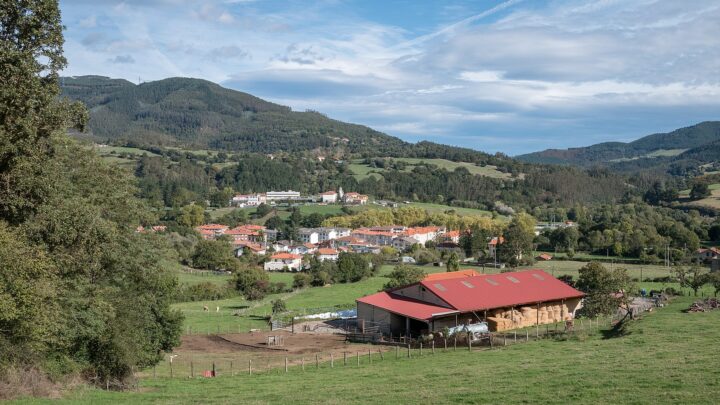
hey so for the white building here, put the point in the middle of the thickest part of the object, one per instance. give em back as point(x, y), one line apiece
point(282, 195)
point(329, 197)
point(250, 200)
point(317, 235)
point(327, 254)
point(284, 261)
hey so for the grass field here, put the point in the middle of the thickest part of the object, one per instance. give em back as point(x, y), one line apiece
point(712, 202)
point(362, 171)
point(254, 313)
point(667, 357)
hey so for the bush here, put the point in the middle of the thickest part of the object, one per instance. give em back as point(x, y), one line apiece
point(205, 291)
point(278, 306)
point(252, 282)
point(301, 280)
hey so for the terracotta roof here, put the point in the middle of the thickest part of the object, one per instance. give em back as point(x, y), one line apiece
point(281, 256)
point(451, 234)
point(451, 275)
point(212, 227)
point(494, 241)
point(500, 290)
point(325, 251)
point(405, 306)
point(422, 230)
point(328, 193)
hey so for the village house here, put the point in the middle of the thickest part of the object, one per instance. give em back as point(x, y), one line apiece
point(424, 234)
point(251, 233)
point(303, 249)
point(211, 231)
point(380, 238)
point(505, 301)
point(329, 197)
point(327, 254)
point(240, 247)
point(284, 261)
point(450, 236)
point(354, 198)
point(318, 235)
point(404, 243)
point(493, 245)
point(281, 245)
point(706, 255)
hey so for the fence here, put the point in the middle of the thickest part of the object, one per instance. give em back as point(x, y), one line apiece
point(279, 363)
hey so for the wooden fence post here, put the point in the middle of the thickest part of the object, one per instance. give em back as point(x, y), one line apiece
point(409, 350)
point(445, 339)
point(491, 340)
point(455, 343)
point(382, 357)
point(214, 373)
point(303, 363)
point(232, 373)
point(433, 346)
point(504, 339)
point(469, 342)
point(527, 335)
point(317, 361)
point(332, 361)
point(358, 358)
point(286, 364)
point(345, 358)
point(421, 348)
point(250, 367)
point(515, 336)
point(171, 369)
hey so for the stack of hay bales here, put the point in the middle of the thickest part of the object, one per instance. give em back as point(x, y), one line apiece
point(505, 319)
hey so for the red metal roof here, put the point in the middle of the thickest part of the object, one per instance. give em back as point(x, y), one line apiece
point(451, 274)
point(405, 306)
point(500, 290)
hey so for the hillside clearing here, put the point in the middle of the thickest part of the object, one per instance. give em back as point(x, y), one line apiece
point(362, 171)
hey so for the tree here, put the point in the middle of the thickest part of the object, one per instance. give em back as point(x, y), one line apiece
point(262, 210)
point(191, 216)
point(252, 282)
point(403, 275)
point(301, 280)
point(519, 237)
point(274, 222)
point(453, 262)
point(715, 281)
point(606, 290)
point(221, 198)
point(352, 267)
point(693, 277)
point(213, 255)
point(699, 191)
point(72, 219)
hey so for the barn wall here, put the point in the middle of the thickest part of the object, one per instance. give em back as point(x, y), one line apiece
point(375, 315)
point(419, 292)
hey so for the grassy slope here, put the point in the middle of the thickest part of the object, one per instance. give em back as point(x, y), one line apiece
point(710, 202)
point(362, 171)
point(669, 357)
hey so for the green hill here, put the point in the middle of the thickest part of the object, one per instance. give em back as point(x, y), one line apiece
point(664, 146)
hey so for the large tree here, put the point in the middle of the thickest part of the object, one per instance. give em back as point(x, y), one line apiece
point(606, 290)
point(70, 261)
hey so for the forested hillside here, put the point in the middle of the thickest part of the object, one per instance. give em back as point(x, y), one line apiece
point(657, 150)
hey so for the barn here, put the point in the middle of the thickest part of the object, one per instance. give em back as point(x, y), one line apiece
point(505, 301)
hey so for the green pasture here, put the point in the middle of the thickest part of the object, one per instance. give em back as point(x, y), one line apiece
point(666, 357)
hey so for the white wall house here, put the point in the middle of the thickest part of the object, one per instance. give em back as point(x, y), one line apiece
point(328, 254)
point(309, 235)
point(283, 261)
point(329, 197)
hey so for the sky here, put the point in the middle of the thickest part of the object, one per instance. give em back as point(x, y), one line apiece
point(498, 76)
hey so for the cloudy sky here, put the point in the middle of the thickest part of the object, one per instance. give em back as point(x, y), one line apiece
point(511, 76)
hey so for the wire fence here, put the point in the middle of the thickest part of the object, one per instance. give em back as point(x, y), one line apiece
point(265, 361)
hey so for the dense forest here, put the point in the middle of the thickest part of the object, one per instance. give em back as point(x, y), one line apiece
point(693, 147)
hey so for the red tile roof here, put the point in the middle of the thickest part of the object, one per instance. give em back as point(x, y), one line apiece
point(405, 306)
point(421, 230)
point(282, 256)
point(325, 251)
point(500, 290)
point(212, 227)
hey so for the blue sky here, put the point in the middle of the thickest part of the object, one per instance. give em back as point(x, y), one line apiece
point(511, 76)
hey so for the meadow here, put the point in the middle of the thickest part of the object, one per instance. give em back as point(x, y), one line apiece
point(362, 171)
point(667, 356)
point(253, 315)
